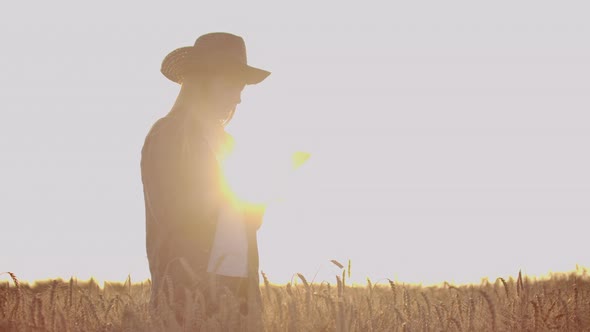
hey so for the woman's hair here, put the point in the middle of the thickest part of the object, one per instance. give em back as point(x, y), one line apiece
point(230, 116)
point(199, 83)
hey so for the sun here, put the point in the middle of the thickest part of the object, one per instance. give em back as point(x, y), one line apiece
point(258, 175)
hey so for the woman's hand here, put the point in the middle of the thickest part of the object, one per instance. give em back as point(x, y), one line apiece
point(254, 213)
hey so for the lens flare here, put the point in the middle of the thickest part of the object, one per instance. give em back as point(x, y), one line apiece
point(259, 176)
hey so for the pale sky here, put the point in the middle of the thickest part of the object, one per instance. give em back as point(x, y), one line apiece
point(449, 139)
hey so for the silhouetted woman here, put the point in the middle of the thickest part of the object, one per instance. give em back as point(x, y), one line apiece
point(196, 237)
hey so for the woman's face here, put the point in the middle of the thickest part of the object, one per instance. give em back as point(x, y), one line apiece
point(224, 94)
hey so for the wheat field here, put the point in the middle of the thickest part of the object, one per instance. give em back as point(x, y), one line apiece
point(560, 302)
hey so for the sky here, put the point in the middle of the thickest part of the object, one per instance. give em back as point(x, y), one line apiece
point(448, 140)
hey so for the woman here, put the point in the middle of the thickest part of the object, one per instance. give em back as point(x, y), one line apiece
point(196, 236)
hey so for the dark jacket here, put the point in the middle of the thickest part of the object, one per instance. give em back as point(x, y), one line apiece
point(182, 185)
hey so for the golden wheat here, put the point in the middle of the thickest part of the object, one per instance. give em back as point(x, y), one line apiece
point(561, 302)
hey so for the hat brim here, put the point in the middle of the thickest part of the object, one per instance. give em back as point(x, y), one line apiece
point(178, 63)
point(253, 75)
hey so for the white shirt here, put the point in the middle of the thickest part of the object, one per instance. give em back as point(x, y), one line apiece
point(229, 252)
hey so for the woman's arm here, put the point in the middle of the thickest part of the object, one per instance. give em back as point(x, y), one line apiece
point(182, 178)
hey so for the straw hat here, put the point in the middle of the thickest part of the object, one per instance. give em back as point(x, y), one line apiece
point(212, 53)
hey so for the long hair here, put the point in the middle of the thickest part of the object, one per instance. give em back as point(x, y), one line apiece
point(229, 117)
point(200, 85)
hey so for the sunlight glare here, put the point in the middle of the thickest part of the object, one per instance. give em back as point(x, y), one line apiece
point(259, 175)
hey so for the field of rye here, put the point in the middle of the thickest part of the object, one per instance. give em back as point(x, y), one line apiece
point(558, 303)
